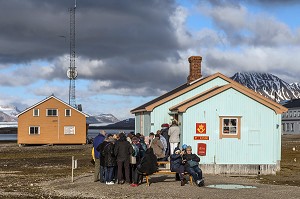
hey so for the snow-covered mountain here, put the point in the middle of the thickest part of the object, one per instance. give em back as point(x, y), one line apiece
point(8, 113)
point(268, 85)
point(102, 119)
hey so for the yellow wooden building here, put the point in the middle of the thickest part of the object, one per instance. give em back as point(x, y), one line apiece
point(52, 121)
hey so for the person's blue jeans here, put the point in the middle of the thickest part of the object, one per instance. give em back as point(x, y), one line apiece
point(102, 173)
point(195, 171)
point(109, 174)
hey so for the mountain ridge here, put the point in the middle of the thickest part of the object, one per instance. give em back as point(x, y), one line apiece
point(268, 85)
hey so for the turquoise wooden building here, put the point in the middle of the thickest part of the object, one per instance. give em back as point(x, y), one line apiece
point(233, 129)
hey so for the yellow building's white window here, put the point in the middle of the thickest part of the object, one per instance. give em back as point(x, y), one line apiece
point(34, 130)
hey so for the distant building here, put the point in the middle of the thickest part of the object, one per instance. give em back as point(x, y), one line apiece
point(52, 121)
point(233, 129)
point(291, 119)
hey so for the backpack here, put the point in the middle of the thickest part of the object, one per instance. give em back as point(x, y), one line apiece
point(135, 151)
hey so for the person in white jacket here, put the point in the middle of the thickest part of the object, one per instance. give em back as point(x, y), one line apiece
point(174, 133)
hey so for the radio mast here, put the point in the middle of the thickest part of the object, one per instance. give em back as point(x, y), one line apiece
point(72, 72)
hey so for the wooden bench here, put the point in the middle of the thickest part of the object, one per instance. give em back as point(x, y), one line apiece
point(165, 171)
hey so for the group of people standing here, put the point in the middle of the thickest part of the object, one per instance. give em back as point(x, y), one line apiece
point(122, 158)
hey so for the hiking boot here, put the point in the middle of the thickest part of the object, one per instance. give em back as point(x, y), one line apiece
point(200, 183)
point(182, 183)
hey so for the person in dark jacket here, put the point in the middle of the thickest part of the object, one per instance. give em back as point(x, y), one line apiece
point(102, 160)
point(147, 165)
point(177, 165)
point(192, 166)
point(97, 141)
point(123, 151)
point(110, 160)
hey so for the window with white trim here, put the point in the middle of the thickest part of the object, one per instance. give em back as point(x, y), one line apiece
point(51, 112)
point(34, 130)
point(230, 127)
point(67, 112)
point(36, 112)
point(69, 130)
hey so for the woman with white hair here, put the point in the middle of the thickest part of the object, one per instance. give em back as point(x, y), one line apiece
point(191, 165)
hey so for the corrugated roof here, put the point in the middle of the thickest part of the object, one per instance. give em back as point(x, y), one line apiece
point(293, 103)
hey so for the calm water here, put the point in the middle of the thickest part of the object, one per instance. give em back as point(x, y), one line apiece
point(91, 134)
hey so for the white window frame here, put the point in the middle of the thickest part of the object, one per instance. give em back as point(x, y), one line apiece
point(38, 112)
point(69, 130)
point(52, 110)
point(66, 112)
point(35, 128)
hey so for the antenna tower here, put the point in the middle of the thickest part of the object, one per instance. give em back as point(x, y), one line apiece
point(72, 72)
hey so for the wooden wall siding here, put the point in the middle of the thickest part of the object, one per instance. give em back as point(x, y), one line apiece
point(160, 114)
point(138, 128)
point(52, 128)
point(256, 120)
point(239, 169)
point(142, 123)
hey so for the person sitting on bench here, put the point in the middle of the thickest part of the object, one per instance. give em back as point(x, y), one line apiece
point(148, 165)
point(177, 165)
point(192, 166)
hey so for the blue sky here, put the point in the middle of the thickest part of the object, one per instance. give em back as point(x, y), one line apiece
point(130, 52)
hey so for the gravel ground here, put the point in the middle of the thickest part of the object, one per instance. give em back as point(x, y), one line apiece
point(166, 187)
point(45, 172)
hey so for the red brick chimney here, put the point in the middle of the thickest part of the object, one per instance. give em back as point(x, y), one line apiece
point(195, 68)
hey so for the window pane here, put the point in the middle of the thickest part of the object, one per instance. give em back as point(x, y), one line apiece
point(68, 112)
point(229, 126)
point(35, 112)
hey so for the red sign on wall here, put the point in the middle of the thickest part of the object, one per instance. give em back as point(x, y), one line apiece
point(202, 149)
point(201, 137)
point(201, 128)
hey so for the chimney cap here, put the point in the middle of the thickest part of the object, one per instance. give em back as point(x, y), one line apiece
point(194, 58)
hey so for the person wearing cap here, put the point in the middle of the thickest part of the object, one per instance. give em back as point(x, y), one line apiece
point(174, 133)
point(191, 165)
point(176, 164)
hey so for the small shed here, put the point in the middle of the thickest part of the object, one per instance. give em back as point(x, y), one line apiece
point(52, 121)
point(232, 128)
